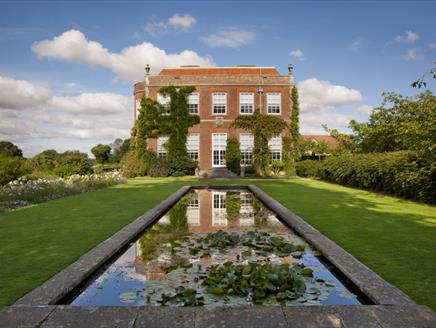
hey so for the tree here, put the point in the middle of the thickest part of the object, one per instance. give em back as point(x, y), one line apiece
point(346, 143)
point(120, 148)
point(421, 81)
point(45, 161)
point(10, 149)
point(101, 153)
point(233, 155)
point(177, 123)
point(407, 124)
point(263, 127)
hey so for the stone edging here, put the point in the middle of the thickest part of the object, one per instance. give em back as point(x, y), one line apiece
point(394, 309)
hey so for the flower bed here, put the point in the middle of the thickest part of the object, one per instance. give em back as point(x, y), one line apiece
point(25, 191)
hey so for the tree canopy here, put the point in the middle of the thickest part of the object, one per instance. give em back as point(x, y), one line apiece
point(101, 153)
point(10, 149)
point(400, 123)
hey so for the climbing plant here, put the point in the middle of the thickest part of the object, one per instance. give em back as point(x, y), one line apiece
point(147, 125)
point(295, 123)
point(177, 123)
point(233, 155)
point(263, 127)
point(288, 156)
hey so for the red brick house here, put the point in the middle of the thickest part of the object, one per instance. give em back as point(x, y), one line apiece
point(222, 93)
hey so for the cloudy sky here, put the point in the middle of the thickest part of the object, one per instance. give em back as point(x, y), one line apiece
point(67, 69)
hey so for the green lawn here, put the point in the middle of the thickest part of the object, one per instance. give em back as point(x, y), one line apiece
point(396, 238)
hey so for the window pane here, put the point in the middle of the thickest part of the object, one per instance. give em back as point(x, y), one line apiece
point(274, 103)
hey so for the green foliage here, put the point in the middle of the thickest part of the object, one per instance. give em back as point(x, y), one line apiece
point(45, 161)
point(10, 149)
point(233, 204)
point(147, 125)
point(133, 165)
point(295, 124)
point(233, 155)
point(101, 153)
point(307, 168)
point(288, 156)
point(177, 123)
point(11, 168)
point(263, 127)
point(72, 162)
point(257, 282)
point(277, 167)
point(404, 173)
point(408, 124)
point(346, 143)
point(179, 166)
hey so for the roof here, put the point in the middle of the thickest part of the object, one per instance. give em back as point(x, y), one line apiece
point(329, 140)
point(239, 70)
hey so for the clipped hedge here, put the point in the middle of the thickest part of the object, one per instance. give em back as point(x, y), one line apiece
point(403, 173)
point(307, 168)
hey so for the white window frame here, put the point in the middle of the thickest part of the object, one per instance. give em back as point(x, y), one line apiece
point(243, 101)
point(165, 102)
point(219, 147)
point(193, 146)
point(219, 212)
point(194, 99)
point(217, 102)
point(162, 152)
point(273, 103)
point(275, 145)
point(246, 148)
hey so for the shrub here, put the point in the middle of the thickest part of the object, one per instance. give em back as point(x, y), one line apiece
point(181, 166)
point(72, 162)
point(405, 174)
point(158, 167)
point(11, 168)
point(307, 168)
point(277, 167)
point(133, 165)
point(233, 156)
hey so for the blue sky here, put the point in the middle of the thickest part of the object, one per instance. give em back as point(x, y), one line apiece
point(66, 69)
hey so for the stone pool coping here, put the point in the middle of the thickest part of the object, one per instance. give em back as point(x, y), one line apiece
point(392, 307)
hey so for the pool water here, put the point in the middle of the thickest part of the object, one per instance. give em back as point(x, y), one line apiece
point(175, 256)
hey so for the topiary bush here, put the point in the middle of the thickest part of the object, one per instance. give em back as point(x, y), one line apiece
point(233, 155)
point(307, 168)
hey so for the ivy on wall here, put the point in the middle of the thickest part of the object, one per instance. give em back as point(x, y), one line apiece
point(263, 127)
point(177, 123)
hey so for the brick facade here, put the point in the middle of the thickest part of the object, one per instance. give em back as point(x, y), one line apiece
point(229, 80)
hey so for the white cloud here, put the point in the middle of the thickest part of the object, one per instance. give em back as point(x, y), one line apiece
point(73, 122)
point(229, 37)
point(18, 94)
point(73, 46)
point(319, 103)
point(181, 21)
point(432, 45)
point(297, 53)
point(355, 45)
point(413, 54)
point(364, 110)
point(408, 37)
point(176, 22)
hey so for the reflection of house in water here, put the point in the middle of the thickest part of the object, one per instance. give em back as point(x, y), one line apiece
point(206, 212)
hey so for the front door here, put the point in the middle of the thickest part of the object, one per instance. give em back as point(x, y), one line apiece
point(219, 143)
